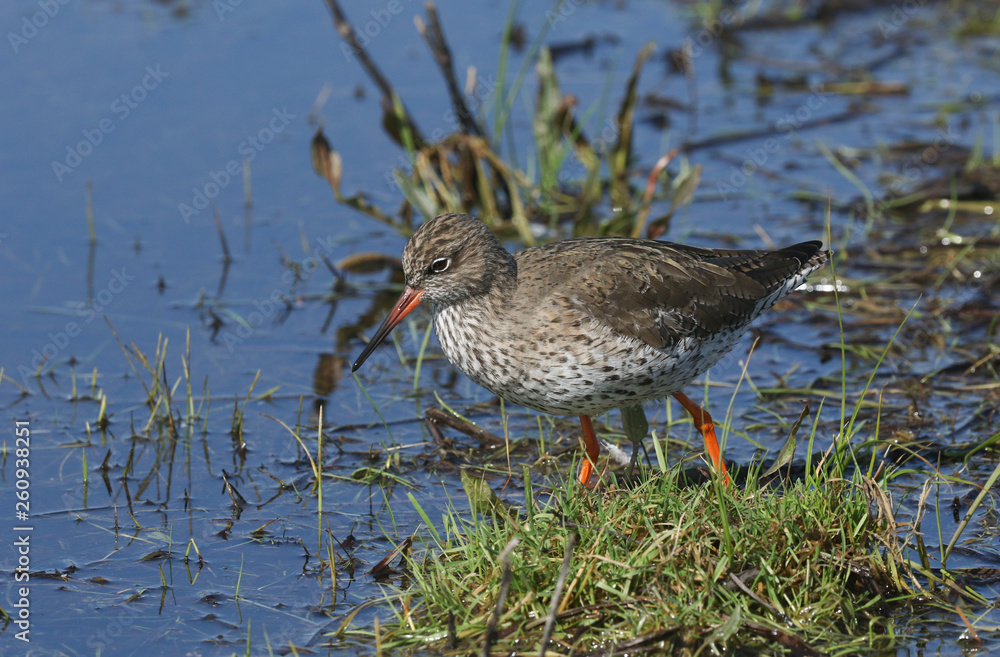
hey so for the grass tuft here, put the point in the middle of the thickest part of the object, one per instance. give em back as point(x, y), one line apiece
point(648, 568)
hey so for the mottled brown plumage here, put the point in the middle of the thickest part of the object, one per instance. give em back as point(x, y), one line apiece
point(585, 325)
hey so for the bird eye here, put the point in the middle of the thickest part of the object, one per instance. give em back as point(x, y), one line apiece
point(439, 265)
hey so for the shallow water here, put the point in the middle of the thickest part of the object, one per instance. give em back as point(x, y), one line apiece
point(157, 104)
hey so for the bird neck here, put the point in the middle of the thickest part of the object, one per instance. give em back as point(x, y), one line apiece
point(504, 269)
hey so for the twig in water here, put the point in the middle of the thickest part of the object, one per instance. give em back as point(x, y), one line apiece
point(485, 438)
point(434, 36)
point(347, 33)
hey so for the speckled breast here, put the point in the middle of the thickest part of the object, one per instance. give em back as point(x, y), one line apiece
point(584, 373)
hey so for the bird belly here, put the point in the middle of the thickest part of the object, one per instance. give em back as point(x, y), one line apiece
point(565, 374)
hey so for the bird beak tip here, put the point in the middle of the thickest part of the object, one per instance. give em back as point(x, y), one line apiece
point(407, 302)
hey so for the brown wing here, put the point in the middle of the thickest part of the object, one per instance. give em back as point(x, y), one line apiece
point(660, 292)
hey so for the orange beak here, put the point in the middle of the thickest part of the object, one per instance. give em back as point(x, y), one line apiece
point(408, 300)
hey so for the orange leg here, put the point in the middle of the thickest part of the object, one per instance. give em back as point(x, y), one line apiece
point(704, 424)
point(593, 449)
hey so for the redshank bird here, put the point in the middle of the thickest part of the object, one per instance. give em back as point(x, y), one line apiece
point(582, 326)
